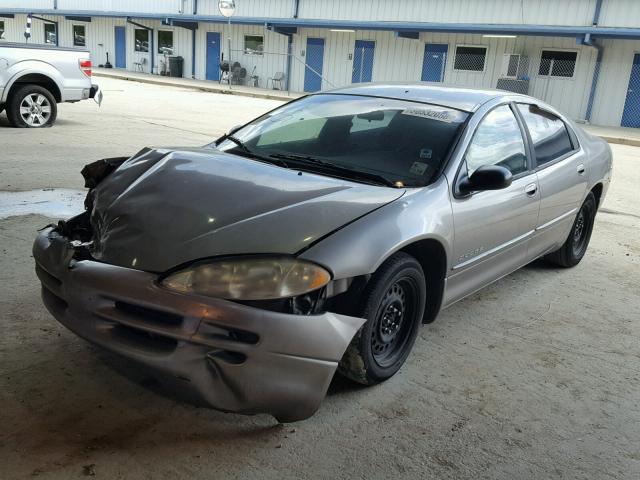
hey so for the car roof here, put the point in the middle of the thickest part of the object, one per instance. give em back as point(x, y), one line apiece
point(467, 99)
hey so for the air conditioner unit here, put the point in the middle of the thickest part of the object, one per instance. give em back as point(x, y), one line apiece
point(515, 65)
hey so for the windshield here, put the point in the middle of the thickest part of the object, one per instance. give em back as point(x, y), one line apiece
point(400, 143)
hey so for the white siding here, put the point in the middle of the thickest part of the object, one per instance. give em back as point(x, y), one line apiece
point(620, 13)
point(137, 6)
point(614, 81)
point(395, 59)
point(273, 60)
point(26, 4)
point(251, 8)
point(398, 59)
point(544, 12)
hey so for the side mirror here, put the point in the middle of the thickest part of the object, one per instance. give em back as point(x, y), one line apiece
point(486, 177)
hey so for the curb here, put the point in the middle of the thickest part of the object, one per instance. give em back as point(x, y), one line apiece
point(632, 142)
point(202, 88)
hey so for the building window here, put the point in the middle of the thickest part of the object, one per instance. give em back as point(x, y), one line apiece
point(165, 42)
point(50, 33)
point(557, 63)
point(79, 39)
point(142, 40)
point(1, 29)
point(470, 59)
point(253, 44)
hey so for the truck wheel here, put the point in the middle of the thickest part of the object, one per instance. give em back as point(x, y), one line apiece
point(393, 304)
point(31, 106)
point(575, 246)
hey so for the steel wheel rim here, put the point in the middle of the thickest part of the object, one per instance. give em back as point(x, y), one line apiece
point(35, 110)
point(394, 322)
point(580, 231)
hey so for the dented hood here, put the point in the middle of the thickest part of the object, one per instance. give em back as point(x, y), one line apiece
point(163, 208)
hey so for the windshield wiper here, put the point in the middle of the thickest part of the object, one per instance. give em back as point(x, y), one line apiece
point(250, 152)
point(331, 167)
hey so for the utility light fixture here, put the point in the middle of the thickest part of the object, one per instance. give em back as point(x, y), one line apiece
point(345, 30)
point(499, 36)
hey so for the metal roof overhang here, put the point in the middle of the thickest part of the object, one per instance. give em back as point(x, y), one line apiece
point(473, 28)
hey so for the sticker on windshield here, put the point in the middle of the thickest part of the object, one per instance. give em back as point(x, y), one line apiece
point(426, 112)
point(425, 153)
point(418, 168)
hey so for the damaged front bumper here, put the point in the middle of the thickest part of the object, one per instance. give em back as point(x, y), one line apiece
point(233, 357)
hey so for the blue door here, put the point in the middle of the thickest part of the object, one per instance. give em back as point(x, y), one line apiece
point(314, 60)
point(435, 58)
point(121, 48)
point(363, 61)
point(213, 56)
point(631, 114)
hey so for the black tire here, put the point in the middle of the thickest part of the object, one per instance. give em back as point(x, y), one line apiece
point(45, 112)
point(575, 246)
point(393, 304)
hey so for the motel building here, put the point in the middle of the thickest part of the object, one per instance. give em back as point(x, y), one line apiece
point(582, 56)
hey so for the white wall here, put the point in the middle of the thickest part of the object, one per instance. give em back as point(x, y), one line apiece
point(395, 59)
point(544, 12)
point(273, 60)
point(613, 83)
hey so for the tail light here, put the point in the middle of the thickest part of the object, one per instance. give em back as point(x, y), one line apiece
point(85, 66)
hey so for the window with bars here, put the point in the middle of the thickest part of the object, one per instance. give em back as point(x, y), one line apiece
point(557, 63)
point(470, 59)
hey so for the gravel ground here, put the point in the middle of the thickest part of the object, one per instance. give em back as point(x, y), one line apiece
point(536, 376)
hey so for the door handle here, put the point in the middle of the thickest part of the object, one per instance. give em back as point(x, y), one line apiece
point(580, 168)
point(531, 189)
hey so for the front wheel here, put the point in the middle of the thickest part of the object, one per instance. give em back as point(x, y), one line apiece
point(575, 246)
point(393, 304)
point(31, 106)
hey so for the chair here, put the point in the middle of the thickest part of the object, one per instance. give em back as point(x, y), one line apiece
point(139, 66)
point(277, 78)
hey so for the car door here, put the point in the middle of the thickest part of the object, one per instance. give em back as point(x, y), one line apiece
point(562, 176)
point(492, 228)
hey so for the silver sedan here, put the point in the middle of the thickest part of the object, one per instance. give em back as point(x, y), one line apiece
point(317, 237)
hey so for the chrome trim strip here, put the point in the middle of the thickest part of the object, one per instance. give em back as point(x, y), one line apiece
point(510, 243)
point(557, 219)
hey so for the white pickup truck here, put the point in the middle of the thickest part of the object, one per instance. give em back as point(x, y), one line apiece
point(35, 78)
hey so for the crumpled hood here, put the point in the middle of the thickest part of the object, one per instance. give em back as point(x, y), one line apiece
point(163, 208)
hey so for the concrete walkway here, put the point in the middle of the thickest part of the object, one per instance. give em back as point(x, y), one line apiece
point(203, 85)
point(620, 135)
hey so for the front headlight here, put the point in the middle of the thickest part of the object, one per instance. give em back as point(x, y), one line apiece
point(249, 278)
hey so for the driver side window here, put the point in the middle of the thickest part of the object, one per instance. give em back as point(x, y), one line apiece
point(497, 141)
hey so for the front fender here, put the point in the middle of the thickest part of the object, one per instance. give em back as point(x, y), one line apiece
point(28, 67)
point(362, 246)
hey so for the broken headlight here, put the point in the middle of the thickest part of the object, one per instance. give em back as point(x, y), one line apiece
point(249, 278)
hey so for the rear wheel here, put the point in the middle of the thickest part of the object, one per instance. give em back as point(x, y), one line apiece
point(31, 106)
point(575, 246)
point(393, 304)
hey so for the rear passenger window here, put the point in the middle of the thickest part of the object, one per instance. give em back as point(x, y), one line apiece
point(549, 134)
point(497, 141)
